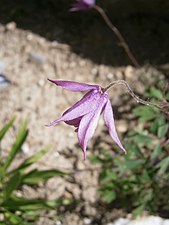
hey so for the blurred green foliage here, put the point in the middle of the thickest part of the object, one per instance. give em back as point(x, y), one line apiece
point(139, 180)
point(14, 208)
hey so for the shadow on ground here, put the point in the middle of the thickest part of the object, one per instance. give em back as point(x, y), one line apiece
point(87, 34)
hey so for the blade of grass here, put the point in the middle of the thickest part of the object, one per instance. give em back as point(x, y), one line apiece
point(20, 138)
point(28, 162)
point(19, 203)
point(35, 176)
point(12, 184)
point(6, 128)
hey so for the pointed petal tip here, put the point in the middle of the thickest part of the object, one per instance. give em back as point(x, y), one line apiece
point(51, 124)
point(74, 86)
point(50, 80)
point(48, 125)
point(125, 152)
point(84, 155)
point(84, 151)
point(122, 148)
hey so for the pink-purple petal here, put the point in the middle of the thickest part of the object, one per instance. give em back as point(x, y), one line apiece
point(89, 123)
point(89, 95)
point(74, 122)
point(74, 86)
point(82, 107)
point(109, 121)
point(82, 5)
point(89, 2)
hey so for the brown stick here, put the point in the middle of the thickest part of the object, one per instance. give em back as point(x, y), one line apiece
point(118, 35)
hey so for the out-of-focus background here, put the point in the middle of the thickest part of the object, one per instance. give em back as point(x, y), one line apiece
point(42, 39)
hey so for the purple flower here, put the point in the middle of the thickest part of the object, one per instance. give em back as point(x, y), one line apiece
point(84, 114)
point(82, 5)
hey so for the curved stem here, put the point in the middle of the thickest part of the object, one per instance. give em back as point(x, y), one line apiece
point(139, 100)
point(118, 35)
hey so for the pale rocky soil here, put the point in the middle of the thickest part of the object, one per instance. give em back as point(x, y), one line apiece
point(29, 60)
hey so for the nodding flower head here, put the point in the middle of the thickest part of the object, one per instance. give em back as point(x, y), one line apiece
point(82, 5)
point(84, 114)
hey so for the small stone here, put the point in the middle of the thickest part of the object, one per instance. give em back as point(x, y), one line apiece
point(54, 43)
point(1, 217)
point(87, 221)
point(90, 210)
point(155, 220)
point(89, 194)
point(94, 71)
point(58, 222)
point(129, 72)
point(25, 148)
point(82, 63)
point(165, 222)
point(72, 65)
point(101, 121)
point(71, 134)
point(3, 81)
point(122, 126)
point(56, 154)
point(18, 213)
point(110, 76)
point(11, 26)
point(18, 194)
point(129, 216)
point(41, 40)
point(2, 66)
point(29, 37)
point(41, 82)
point(119, 75)
point(80, 165)
point(38, 58)
point(120, 221)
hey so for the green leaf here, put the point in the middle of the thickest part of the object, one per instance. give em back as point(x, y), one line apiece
point(142, 139)
point(107, 175)
point(145, 178)
point(145, 113)
point(28, 162)
point(167, 96)
point(134, 164)
point(18, 203)
point(163, 165)
point(108, 196)
point(139, 210)
point(20, 138)
point(157, 151)
point(133, 149)
point(6, 128)
point(35, 176)
point(96, 160)
point(137, 151)
point(12, 184)
point(154, 126)
point(12, 219)
point(162, 130)
point(31, 215)
point(154, 92)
